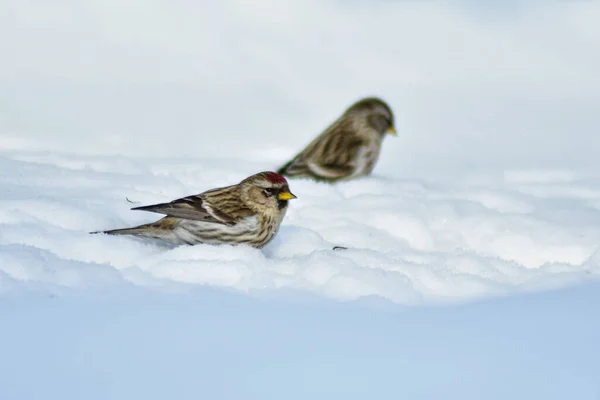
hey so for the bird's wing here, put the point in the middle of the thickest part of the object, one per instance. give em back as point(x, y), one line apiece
point(329, 171)
point(191, 207)
point(330, 156)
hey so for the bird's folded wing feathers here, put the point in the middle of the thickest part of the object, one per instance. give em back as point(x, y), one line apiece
point(330, 171)
point(332, 156)
point(191, 207)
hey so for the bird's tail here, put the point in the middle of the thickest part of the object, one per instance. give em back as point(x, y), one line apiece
point(283, 170)
point(294, 167)
point(136, 230)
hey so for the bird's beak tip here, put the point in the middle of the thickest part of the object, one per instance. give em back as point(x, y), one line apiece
point(286, 196)
point(392, 131)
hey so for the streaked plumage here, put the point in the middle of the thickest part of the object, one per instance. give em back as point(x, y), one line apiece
point(246, 213)
point(349, 148)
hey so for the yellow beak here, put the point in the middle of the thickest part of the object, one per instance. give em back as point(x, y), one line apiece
point(285, 196)
point(392, 131)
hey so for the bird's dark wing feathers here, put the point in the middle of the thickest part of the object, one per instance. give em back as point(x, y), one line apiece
point(340, 149)
point(191, 207)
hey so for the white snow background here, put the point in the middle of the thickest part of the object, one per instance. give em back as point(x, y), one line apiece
point(472, 264)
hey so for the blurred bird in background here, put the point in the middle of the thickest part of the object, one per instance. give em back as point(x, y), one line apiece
point(349, 148)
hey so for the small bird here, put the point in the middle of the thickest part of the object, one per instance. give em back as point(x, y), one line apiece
point(246, 213)
point(348, 148)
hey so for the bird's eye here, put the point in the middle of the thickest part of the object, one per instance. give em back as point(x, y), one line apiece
point(268, 192)
point(380, 122)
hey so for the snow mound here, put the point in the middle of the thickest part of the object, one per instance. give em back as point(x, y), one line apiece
point(411, 241)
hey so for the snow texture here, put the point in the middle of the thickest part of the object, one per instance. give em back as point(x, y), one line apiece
point(408, 240)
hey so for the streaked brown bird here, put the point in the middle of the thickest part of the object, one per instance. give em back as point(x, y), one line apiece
point(349, 148)
point(246, 213)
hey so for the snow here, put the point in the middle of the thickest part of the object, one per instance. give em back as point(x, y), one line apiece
point(410, 241)
point(473, 252)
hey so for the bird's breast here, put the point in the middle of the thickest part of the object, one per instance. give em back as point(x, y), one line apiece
point(367, 156)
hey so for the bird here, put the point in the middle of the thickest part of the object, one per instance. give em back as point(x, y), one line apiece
point(249, 212)
point(347, 149)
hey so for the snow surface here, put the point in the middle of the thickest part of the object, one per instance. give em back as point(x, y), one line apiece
point(473, 251)
point(409, 240)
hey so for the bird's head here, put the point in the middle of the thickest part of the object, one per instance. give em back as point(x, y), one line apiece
point(375, 113)
point(266, 192)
